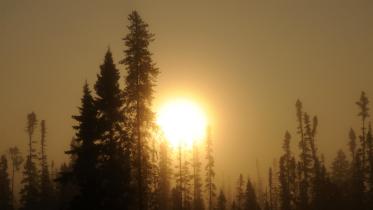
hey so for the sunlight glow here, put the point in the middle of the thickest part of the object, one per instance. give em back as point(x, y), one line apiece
point(182, 122)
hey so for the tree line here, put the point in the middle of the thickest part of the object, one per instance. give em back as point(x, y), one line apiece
point(119, 160)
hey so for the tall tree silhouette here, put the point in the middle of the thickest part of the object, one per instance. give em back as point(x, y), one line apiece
point(85, 152)
point(198, 203)
point(140, 80)
point(340, 176)
point(222, 201)
point(251, 202)
point(16, 159)
point(352, 144)
point(240, 193)
point(364, 114)
point(5, 191)
point(30, 190)
point(186, 187)
point(210, 173)
point(269, 200)
point(305, 159)
point(370, 167)
point(114, 158)
point(287, 176)
point(46, 188)
point(164, 191)
point(179, 178)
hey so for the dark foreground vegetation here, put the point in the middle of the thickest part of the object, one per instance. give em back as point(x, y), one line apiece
point(116, 162)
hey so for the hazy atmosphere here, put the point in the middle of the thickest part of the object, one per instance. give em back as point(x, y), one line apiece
point(245, 63)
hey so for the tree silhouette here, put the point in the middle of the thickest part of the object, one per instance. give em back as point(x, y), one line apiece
point(364, 114)
point(164, 191)
point(140, 80)
point(240, 193)
point(210, 173)
point(30, 191)
point(46, 188)
point(16, 159)
point(370, 167)
point(5, 191)
point(186, 187)
point(340, 177)
point(250, 202)
point(85, 152)
point(222, 201)
point(198, 203)
point(114, 163)
point(305, 162)
point(287, 176)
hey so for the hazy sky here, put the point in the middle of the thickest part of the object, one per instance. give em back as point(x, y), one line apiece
point(245, 61)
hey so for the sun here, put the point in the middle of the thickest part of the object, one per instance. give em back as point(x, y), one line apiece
point(183, 122)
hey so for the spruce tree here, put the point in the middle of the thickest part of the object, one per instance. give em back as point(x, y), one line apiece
point(140, 80)
point(114, 163)
point(30, 189)
point(340, 169)
point(305, 162)
point(287, 176)
point(85, 154)
point(198, 203)
point(340, 177)
point(222, 201)
point(269, 201)
point(352, 144)
point(164, 191)
point(240, 193)
point(210, 173)
point(370, 167)
point(364, 114)
point(5, 191)
point(17, 160)
point(179, 179)
point(186, 188)
point(46, 188)
point(250, 201)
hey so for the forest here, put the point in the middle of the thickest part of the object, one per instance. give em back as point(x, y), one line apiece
point(119, 159)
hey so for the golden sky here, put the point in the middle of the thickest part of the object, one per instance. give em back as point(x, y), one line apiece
point(246, 62)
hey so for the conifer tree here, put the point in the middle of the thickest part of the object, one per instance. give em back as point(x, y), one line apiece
point(340, 177)
point(364, 114)
point(187, 186)
point(164, 191)
point(340, 169)
point(251, 202)
point(46, 188)
point(210, 173)
point(85, 154)
point(275, 185)
point(222, 201)
point(305, 158)
point(140, 80)
point(5, 191)
point(30, 190)
point(287, 176)
point(198, 203)
point(358, 188)
point(240, 193)
point(352, 144)
point(114, 163)
point(17, 160)
point(270, 194)
point(370, 167)
point(176, 198)
point(179, 178)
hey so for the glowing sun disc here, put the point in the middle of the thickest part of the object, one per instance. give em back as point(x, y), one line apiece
point(182, 122)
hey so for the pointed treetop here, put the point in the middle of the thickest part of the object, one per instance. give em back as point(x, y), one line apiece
point(363, 105)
